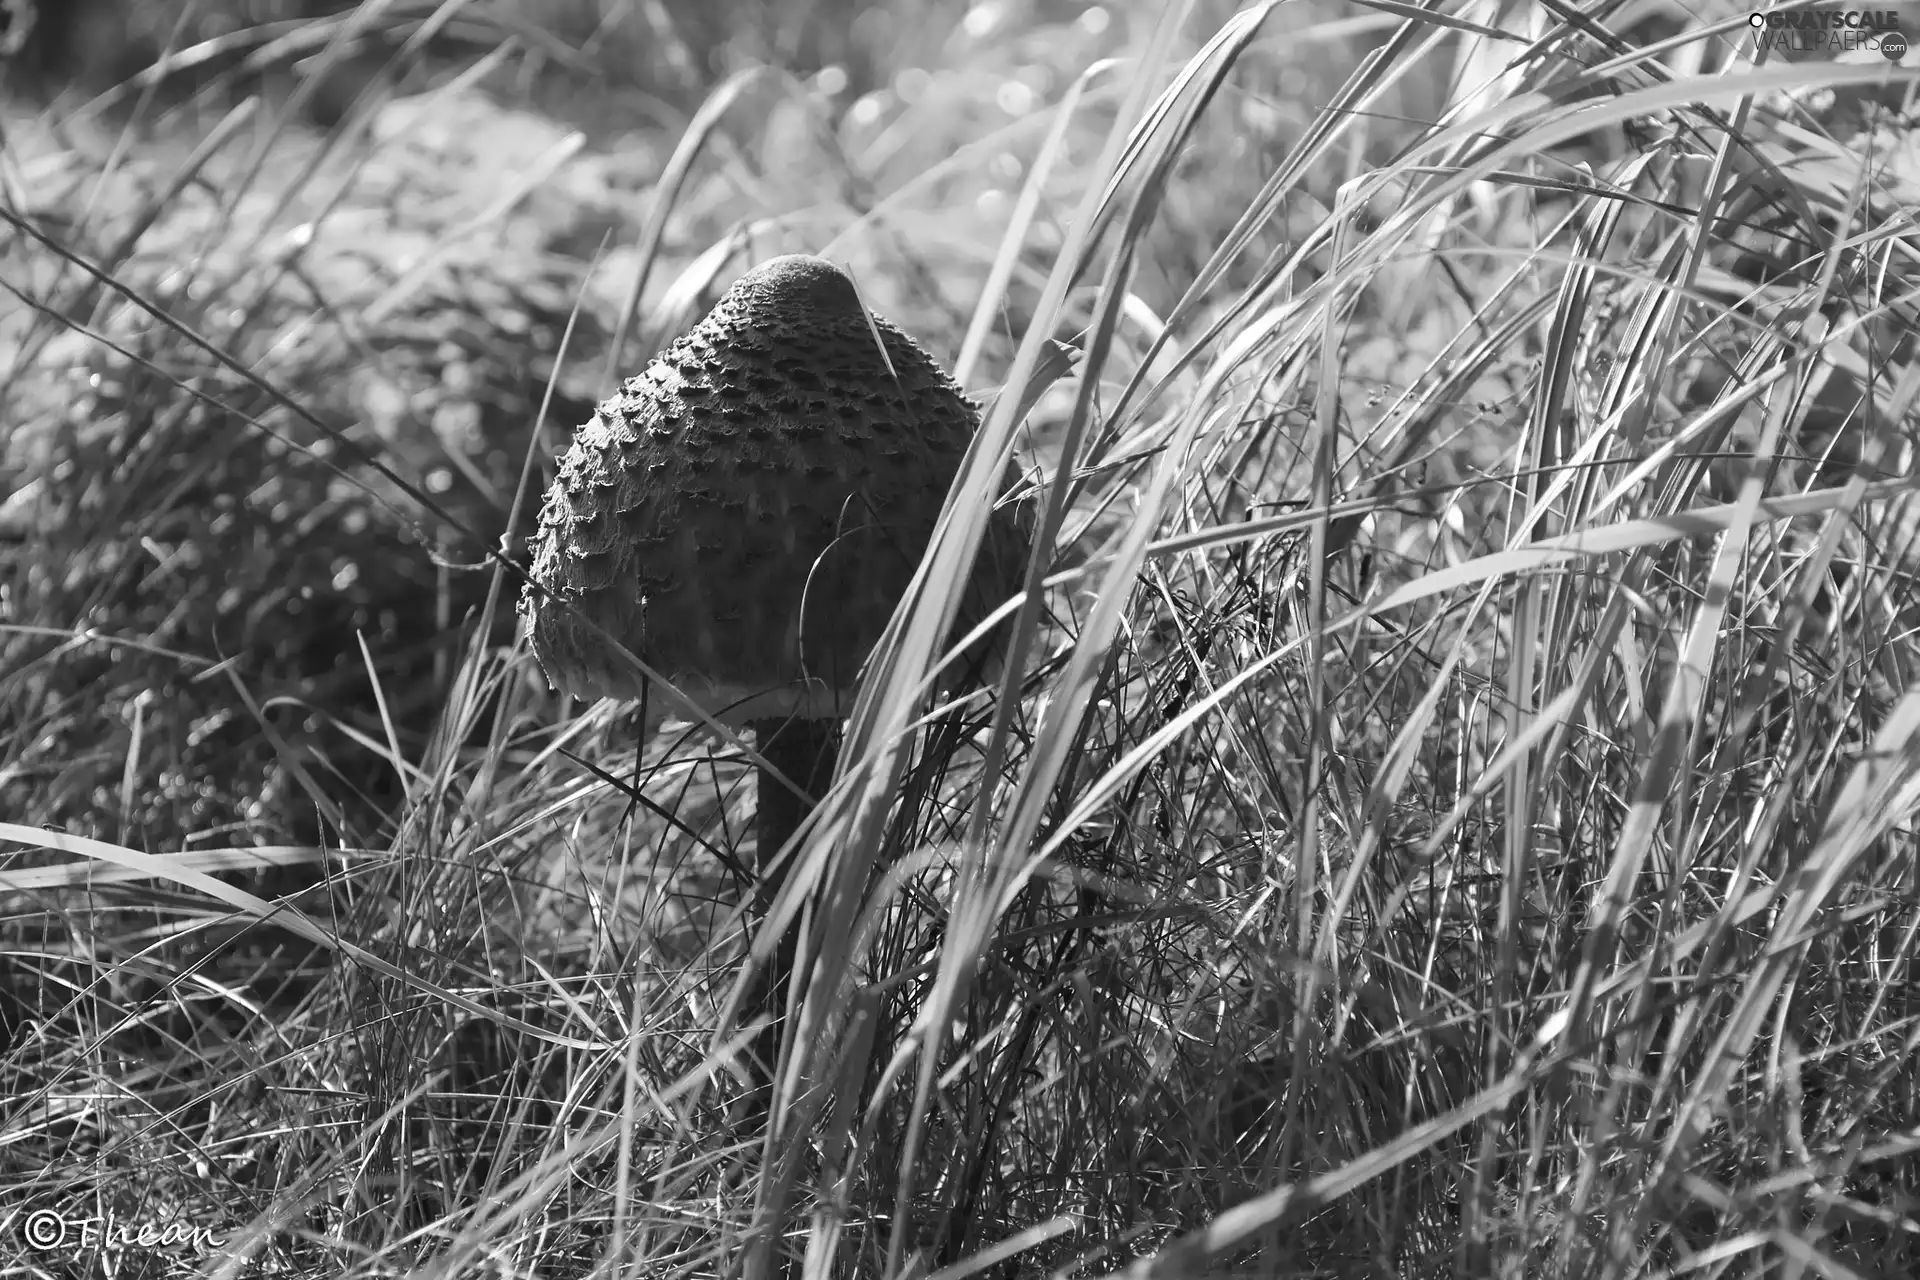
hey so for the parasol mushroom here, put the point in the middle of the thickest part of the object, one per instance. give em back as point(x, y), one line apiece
point(745, 515)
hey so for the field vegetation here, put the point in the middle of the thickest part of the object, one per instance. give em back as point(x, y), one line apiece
point(1451, 808)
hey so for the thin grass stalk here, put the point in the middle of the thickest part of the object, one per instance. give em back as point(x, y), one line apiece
point(1307, 868)
point(699, 131)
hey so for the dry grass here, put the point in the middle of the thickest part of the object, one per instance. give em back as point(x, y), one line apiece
point(1451, 811)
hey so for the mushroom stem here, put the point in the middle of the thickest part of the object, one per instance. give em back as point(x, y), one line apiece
point(804, 751)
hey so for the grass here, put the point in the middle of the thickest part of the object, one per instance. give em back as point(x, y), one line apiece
point(1449, 810)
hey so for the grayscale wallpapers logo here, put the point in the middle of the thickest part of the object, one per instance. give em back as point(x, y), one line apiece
point(1828, 29)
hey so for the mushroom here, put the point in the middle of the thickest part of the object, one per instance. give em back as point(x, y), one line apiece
point(745, 515)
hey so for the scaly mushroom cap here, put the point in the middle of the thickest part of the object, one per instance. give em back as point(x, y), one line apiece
point(745, 515)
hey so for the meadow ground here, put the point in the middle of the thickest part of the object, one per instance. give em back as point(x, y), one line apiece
point(1451, 807)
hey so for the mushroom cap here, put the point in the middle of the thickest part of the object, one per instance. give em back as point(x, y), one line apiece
point(745, 515)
